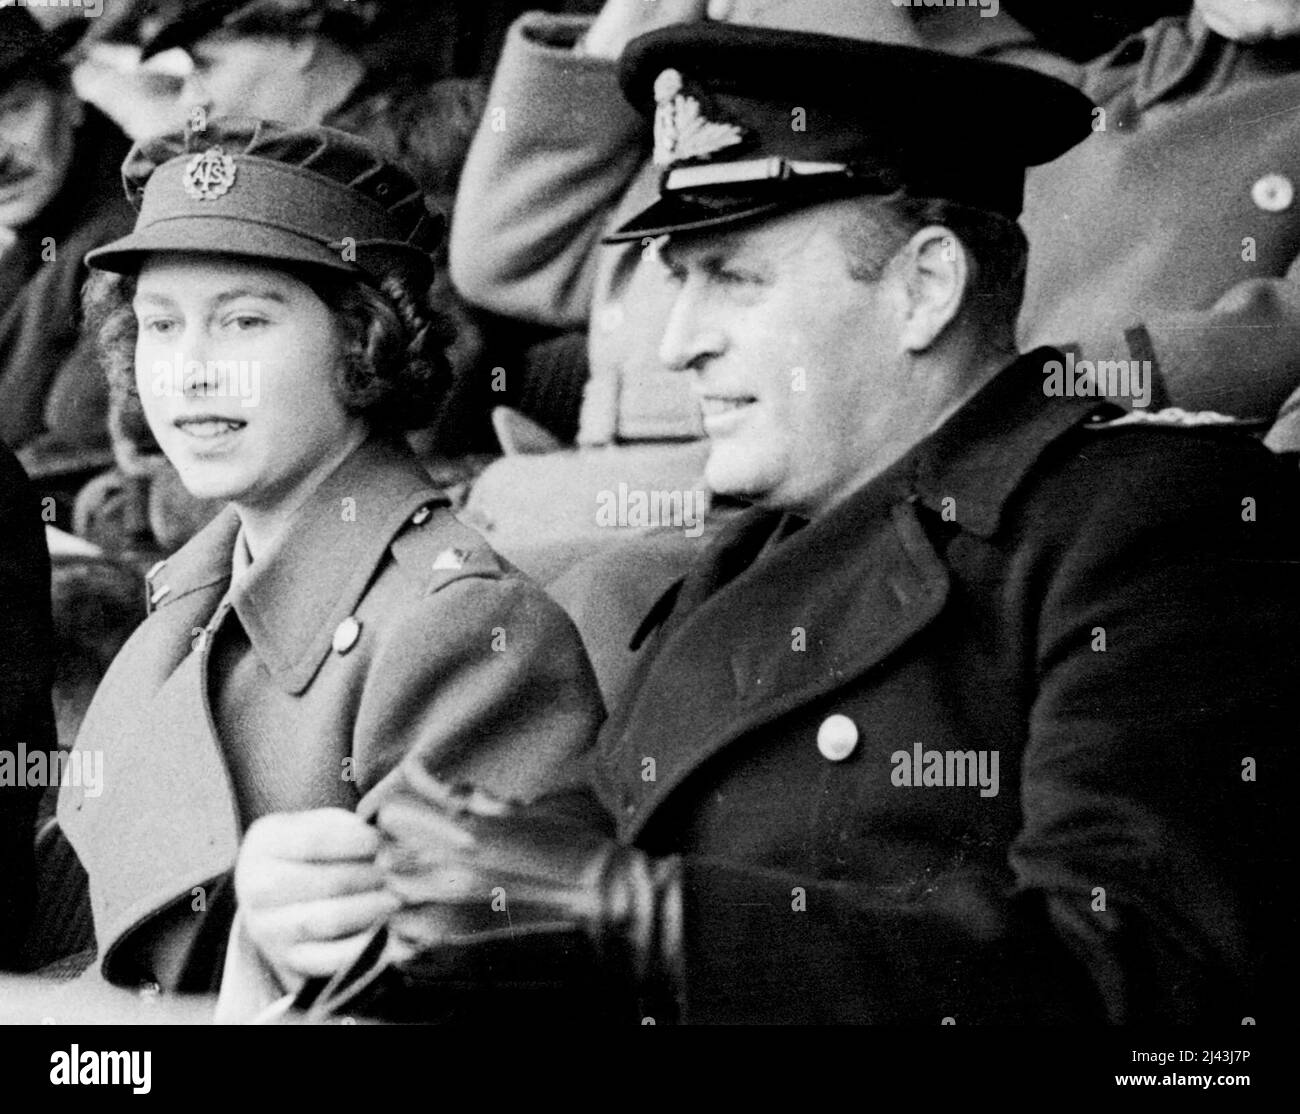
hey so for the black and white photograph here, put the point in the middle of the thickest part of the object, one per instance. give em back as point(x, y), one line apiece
point(588, 518)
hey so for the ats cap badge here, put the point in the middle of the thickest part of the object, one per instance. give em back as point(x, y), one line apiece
point(209, 174)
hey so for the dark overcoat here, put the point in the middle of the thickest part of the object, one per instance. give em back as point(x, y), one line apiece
point(380, 627)
point(1108, 608)
point(26, 716)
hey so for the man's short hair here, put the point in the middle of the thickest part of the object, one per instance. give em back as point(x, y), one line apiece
point(995, 246)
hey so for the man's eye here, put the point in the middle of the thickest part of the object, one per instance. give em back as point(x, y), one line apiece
point(727, 277)
point(158, 326)
point(243, 322)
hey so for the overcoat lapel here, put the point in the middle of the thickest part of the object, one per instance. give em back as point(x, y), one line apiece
point(739, 644)
point(171, 778)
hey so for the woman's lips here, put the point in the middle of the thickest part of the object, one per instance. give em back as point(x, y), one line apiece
point(209, 427)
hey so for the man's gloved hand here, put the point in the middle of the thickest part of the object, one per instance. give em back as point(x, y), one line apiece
point(471, 869)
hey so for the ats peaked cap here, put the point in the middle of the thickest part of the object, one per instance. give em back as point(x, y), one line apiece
point(256, 188)
point(752, 121)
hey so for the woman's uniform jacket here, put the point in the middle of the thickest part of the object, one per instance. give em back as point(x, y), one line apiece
point(379, 627)
point(1110, 607)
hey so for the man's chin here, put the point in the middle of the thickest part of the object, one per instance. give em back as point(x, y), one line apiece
point(16, 213)
point(733, 479)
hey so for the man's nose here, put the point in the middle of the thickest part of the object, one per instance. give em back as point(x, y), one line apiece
point(690, 338)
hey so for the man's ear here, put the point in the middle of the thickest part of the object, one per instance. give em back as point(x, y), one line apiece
point(303, 50)
point(937, 269)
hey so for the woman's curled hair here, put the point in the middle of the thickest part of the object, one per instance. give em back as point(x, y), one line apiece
point(394, 372)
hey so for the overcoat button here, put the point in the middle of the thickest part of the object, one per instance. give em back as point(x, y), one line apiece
point(346, 635)
point(421, 516)
point(1273, 193)
point(158, 595)
point(155, 569)
point(837, 738)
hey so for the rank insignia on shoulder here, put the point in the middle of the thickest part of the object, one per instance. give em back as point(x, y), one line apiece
point(1172, 416)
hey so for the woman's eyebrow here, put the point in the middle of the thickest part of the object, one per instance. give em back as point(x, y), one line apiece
point(265, 293)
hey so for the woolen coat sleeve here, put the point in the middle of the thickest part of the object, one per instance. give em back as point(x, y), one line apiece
point(1239, 356)
point(556, 149)
point(485, 681)
point(1144, 884)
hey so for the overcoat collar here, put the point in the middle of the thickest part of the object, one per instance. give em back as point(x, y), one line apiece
point(762, 630)
point(292, 599)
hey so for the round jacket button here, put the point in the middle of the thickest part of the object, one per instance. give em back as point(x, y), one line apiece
point(1273, 193)
point(421, 516)
point(346, 635)
point(837, 738)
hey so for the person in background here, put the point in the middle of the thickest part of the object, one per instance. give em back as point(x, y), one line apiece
point(335, 618)
point(1168, 243)
point(59, 198)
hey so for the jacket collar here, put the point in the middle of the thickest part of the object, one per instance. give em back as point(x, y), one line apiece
point(293, 598)
point(978, 458)
point(855, 585)
point(982, 453)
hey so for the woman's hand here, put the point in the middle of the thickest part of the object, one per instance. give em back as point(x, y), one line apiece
point(620, 21)
point(309, 890)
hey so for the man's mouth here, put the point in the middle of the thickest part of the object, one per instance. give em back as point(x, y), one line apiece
point(13, 174)
point(208, 427)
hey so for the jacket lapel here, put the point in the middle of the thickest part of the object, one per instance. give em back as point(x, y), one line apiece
point(166, 794)
point(740, 644)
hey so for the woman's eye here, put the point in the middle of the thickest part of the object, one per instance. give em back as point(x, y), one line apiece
point(158, 326)
point(246, 321)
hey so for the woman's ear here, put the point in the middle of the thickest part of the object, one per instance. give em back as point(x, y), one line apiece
point(936, 272)
point(73, 109)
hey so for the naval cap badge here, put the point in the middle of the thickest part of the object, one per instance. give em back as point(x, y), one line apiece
point(681, 131)
point(209, 174)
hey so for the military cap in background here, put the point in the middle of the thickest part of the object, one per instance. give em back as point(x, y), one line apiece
point(27, 47)
point(751, 121)
point(180, 23)
point(313, 196)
